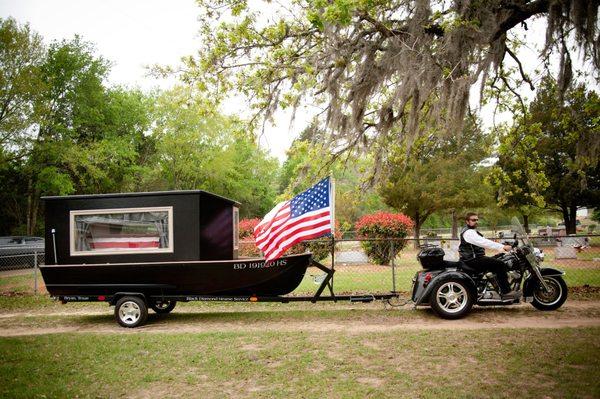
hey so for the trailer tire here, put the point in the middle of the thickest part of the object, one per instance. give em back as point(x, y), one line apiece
point(163, 307)
point(131, 311)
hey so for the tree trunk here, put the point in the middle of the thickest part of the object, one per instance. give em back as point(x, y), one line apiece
point(29, 204)
point(570, 214)
point(34, 212)
point(33, 205)
point(570, 217)
point(526, 223)
point(454, 224)
point(417, 230)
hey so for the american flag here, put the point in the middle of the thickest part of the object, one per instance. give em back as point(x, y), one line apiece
point(306, 216)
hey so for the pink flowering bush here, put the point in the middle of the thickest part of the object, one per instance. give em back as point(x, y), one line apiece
point(380, 225)
point(247, 246)
point(246, 228)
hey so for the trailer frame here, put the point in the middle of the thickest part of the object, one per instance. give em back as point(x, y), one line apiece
point(317, 297)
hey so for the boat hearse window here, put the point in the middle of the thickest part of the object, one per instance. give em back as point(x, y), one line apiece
point(121, 231)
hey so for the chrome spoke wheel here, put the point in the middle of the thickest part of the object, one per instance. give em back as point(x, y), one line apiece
point(451, 297)
point(550, 297)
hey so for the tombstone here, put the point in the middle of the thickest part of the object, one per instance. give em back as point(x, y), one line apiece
point(565, 253)
point(567, 248)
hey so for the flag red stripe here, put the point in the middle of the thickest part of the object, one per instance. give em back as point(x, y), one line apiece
point(279, 231)
point(275, 255)
point(290, 224)
point(298, 231)
point(297, 227)
point(283, 213)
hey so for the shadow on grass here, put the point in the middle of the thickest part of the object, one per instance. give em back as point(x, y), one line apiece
point(424, 314)
point(254, 316)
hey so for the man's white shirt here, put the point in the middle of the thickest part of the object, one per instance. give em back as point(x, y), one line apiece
point(472, 237)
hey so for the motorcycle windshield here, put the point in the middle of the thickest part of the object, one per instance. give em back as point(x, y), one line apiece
point(521, 233)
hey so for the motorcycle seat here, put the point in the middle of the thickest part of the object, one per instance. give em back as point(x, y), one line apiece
point(465, 267)
point(451, 264)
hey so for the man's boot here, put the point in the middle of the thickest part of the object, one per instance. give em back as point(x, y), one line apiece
point(512, 295)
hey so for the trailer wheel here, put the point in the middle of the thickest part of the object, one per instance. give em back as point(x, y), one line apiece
point(131, 311)
point(163, 307)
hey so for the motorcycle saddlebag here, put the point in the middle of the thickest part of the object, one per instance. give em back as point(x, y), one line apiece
point(431, 258)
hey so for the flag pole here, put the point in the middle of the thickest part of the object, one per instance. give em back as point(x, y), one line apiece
point(332, 199)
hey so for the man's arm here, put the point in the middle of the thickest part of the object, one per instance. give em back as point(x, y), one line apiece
point(472, 237)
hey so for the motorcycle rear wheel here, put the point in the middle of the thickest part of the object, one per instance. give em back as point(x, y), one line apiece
point(554, 298)
point(451, 299)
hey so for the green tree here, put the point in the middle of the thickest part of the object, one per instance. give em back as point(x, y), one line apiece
point(86, 137)
point(596, 215)
point(21, 55)
point(308, 161)
point(438, 174)
point(198, 148)
point(518, 177)
point(568, 123)
point(72, 79)
point(377, 67)
point(541, 160)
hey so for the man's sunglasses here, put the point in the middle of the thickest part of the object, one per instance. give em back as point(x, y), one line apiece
point(473, 220)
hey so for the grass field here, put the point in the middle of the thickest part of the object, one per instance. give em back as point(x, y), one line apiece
point(297, 350)
point(429, 364)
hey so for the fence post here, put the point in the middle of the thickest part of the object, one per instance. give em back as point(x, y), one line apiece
point(393, 263)
point(332, 257)
point(35, 265)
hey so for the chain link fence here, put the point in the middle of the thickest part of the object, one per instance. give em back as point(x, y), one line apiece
point(381, 266)
point(362, 266)
point(19, 270)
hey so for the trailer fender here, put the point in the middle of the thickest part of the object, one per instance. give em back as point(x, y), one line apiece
point(443, 276)
point(119, 295)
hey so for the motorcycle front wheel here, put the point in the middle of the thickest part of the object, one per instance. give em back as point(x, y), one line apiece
point(554, 297)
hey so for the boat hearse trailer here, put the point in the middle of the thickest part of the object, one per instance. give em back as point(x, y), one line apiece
point(131, 308)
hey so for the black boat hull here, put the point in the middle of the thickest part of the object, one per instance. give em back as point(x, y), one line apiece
point(229, 277)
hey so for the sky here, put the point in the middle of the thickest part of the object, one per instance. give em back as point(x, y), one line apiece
point(135, 34)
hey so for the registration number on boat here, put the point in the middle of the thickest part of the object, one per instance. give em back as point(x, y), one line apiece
point(259, 265)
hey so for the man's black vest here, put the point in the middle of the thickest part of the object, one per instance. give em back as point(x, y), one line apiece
point(469, 251)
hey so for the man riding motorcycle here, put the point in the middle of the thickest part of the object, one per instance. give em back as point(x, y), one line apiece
point(472, 252)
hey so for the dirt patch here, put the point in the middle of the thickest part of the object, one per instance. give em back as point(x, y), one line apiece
point(371, 381)
point(251, 347)
point(572, 314)
point(584, 291)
